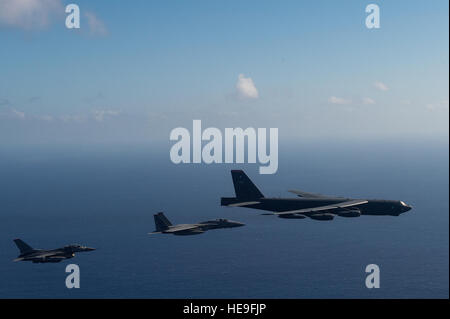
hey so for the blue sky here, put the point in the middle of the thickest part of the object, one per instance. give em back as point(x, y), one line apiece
point(136, 70)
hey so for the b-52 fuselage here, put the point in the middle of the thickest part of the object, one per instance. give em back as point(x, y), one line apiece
point(314, 206)
point(164, 226)
point(28, 253)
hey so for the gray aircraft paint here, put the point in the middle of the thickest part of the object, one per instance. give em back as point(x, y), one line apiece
point(27, 253)
point(314, 206)
point(164, 226)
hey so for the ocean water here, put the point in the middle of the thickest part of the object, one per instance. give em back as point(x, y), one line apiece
point(104, 197)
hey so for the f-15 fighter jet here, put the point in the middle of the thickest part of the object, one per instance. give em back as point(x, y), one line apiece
point(164, 226)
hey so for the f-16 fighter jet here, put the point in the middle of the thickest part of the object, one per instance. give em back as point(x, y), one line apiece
point(314, 206)
point(28, 253)
point(164, 226)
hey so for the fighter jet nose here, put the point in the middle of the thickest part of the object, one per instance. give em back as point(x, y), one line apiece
point(237, 224)
point(89, 249)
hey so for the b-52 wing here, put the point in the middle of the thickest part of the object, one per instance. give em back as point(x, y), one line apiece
point(243, 204)
point(303, 194)
point(307, 211)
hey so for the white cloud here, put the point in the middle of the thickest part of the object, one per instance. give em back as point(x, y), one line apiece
point(381, 86)
point(368, 101)
point(37, 14)
point(29, 14)
point(246, 88)
point(339, 100)
point(437, 106)
point(18, 114)
point(96, 26)
point(100, 115)
point(95, 115)
point(10, 113)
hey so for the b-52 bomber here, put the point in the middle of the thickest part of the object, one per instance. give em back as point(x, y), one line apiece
point(314, 206)
point(28, 253)
point(164, 226)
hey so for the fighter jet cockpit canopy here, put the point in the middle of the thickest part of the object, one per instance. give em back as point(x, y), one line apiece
point(217, 220)
point(74, 246)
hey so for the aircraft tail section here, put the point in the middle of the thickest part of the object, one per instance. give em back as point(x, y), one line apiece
point(161, 222)
point(23, 247)
point(244, 187)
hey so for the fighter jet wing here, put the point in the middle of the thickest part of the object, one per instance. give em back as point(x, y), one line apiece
point(47, 254)
point(43, 255)
point(181, 228)
point(300, 193)
point(349, 203)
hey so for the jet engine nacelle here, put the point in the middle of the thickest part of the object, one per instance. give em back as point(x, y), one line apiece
point(322, 216)
point(350, 213)
point(293, 216)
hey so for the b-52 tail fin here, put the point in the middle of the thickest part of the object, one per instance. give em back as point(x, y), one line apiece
point(161, 222)
point(23, 247)
point(244, 187)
